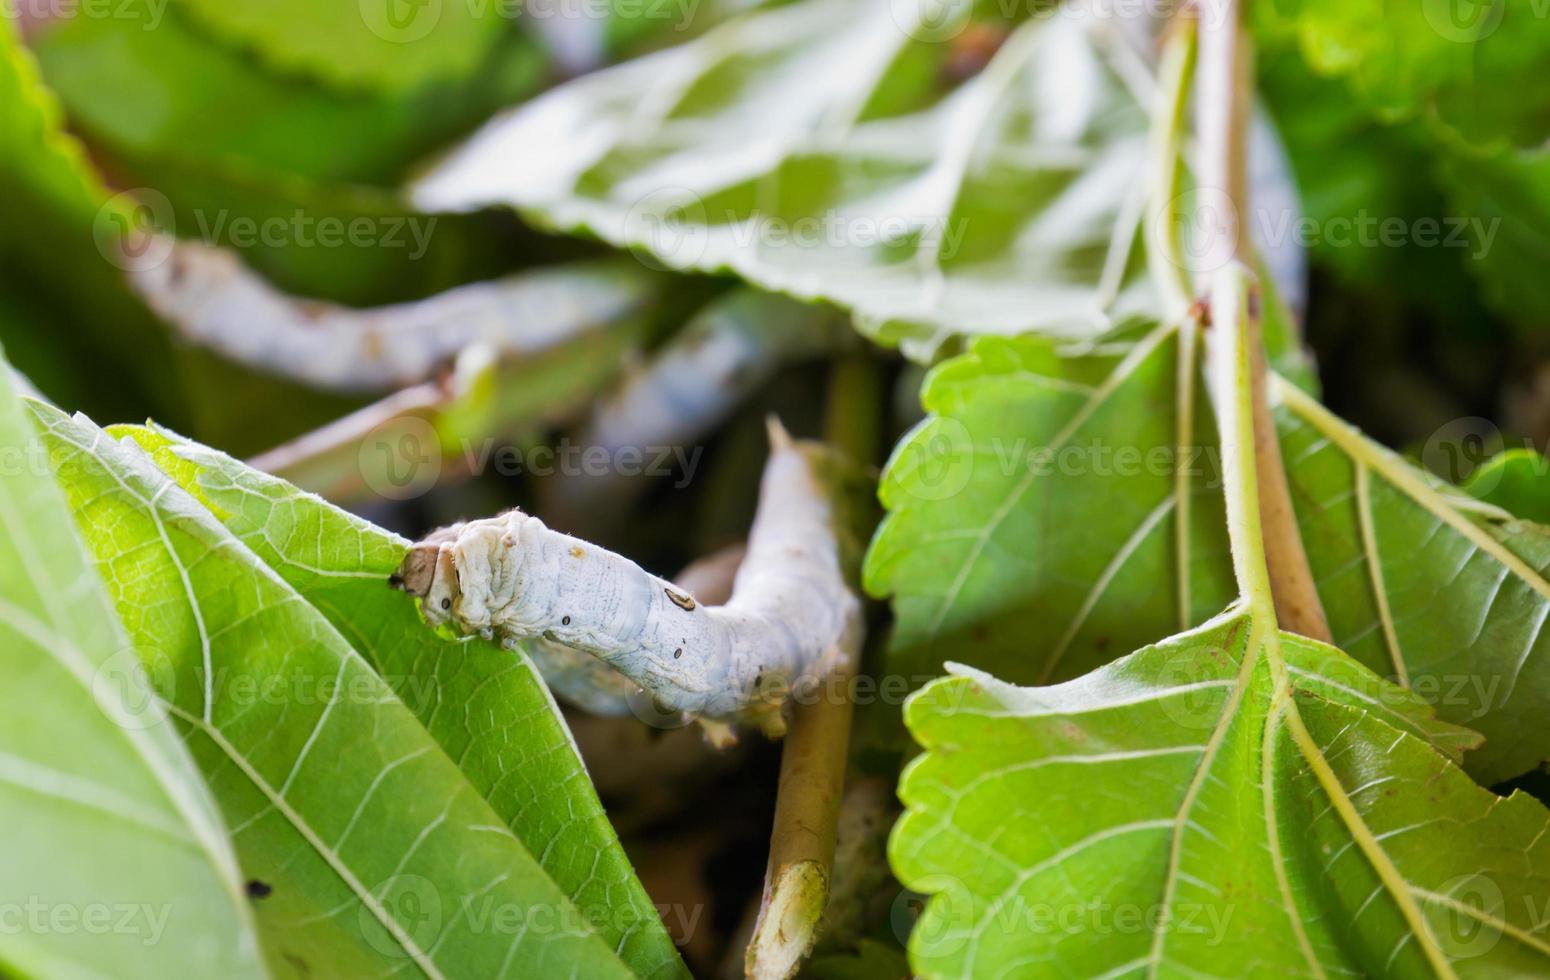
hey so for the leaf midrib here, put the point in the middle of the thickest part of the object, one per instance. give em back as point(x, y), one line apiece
point(323, 850)
point(1401, 477)
point(1283, 706)
point(1239, 402)
point(1196, 784)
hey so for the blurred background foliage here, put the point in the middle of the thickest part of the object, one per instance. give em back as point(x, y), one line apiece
point(213, 113)
point(306, 111)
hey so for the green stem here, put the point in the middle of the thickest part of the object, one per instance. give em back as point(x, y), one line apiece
point(852, 422)
point(1251, 461)
point(1225, 90)
point(1233, 322)
point(1165, 259)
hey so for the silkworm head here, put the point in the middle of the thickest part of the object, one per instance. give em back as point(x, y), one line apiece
point(415, 574)
point(441, 599)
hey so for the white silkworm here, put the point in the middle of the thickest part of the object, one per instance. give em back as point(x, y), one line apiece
point(216, 301)
point(590, 684)
point(582, 680)
point(729, 349)
point(790, 615)
point(726, 352)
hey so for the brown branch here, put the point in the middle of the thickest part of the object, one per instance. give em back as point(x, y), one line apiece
point(817, 746)
point(812, 782)
point(328, 460)
point(1225, 101)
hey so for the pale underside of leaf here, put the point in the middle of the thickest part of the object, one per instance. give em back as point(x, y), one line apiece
point(1032, 438)
point(1454, 601)
point(1038, 577)
point(1202, 820)
point(1011, 201)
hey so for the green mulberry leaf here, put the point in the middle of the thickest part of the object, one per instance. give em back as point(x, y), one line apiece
point(1032, 532)
point(61, 222)
point(373, 852)
point(1446, 60)
point(382, 45)
point(1236, 800)
point(1517, 481)
point(1034, 517)
point(488, 707)
point(173, 94)
point(107, 819)
point(1177, 813)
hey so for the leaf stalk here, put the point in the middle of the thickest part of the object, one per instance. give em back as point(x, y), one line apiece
point(1224, 96)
